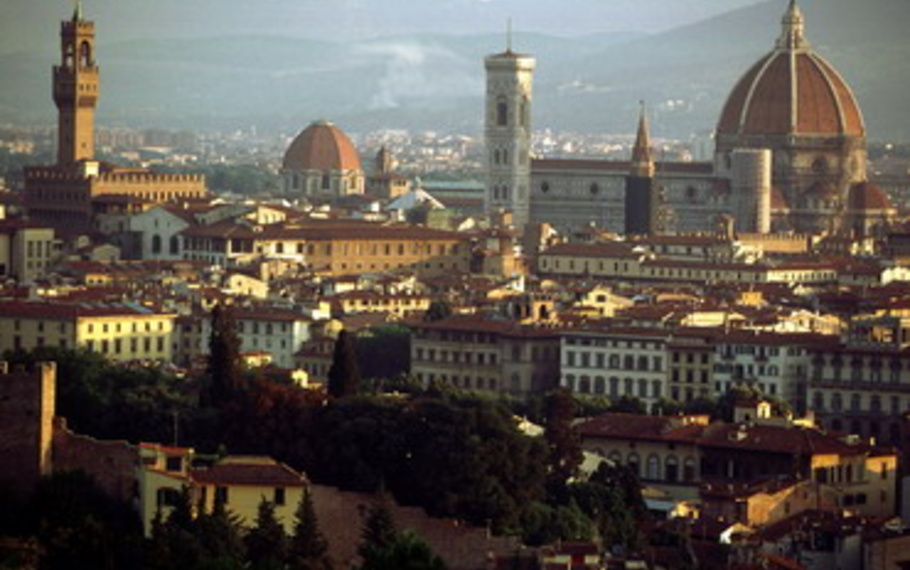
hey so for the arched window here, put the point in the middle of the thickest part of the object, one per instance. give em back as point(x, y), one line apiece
point(633, 463)
point(642, 388)
point(837, 403)
point(156, 243)
point(855, 402)
point(496, 156)
point(584, 386)
point(613, 362)
point(175, 245)
point(279, 247)
point(629, 387)
point(599, 385)
point(516, 382)
point(689, 470)
point(671, 469)
point(642, 362)
point(570, 382)
point(326, 182)
point(85, 54)
point(502, 113)
point(653, 468)
point(594, 189)
point(525, 112)
point(818, 401)
point(614, 387)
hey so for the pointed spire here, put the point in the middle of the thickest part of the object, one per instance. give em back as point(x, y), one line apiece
point(642, 162)
point(77, 11)
point(793, 27)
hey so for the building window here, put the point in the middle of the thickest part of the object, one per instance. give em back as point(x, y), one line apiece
point(502, 113)
point(221, 495)
point(279, 496)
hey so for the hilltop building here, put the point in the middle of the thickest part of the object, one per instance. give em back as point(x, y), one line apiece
point(790, 156)
point(67, 194)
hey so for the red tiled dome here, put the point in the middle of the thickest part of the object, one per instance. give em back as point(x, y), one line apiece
point(792, 90)
point(321, 146)
point(778, 202)
point(866, 196)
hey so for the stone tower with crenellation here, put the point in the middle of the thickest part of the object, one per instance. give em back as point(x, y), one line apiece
point(26, 425)
point(76, 90)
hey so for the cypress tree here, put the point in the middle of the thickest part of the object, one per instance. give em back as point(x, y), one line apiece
point(225, 366)
point(266, 543)
point(308, 548)
point(344, 374)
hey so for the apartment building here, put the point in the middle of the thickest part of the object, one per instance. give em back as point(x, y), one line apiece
point(615, 362)
point(27, 249)
point(332, 248)
point(862, 385)
point(278, 332)
point(684, 455)
point(775, 364)
point(489, 355)
point(119, 331)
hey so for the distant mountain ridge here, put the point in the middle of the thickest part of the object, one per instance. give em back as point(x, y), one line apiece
point(586, 84)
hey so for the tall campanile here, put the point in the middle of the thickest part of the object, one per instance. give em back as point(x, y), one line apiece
point(76, 90)
point(508, 133)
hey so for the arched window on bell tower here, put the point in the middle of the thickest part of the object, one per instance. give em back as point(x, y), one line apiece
point(502, 112)
point(85, 55)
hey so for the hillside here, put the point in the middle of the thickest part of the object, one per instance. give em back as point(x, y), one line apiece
point(590, 83)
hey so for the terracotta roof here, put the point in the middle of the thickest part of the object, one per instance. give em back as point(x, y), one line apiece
point(258, 472)
point(762, 102)
point(640, 427)
point(596, 250)
point(321, 146)
point(71, 311)
point(778, 202)
point(778, 439)
point(866, 196)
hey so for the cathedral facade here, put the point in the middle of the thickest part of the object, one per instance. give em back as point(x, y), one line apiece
point(791, 103)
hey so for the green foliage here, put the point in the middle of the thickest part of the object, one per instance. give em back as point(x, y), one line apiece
point(225, 366)
point(308, 548)
point(266, 543)
point(384, 352)
point(546, 524)
point(628, 405)
point(379, 527)
point(344, 374)
point(210, 541)
point(111, 401)
point(563, 444)
point(407, 551)
point(612, 499)
point(79, 526)
point(461, 457)
point(590, 406)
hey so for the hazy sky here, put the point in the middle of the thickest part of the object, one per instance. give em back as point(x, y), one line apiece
point(26, 24)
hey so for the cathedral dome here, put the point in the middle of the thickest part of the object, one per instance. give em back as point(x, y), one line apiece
point(791, 91)
point(321, 146)
point(865, 196)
